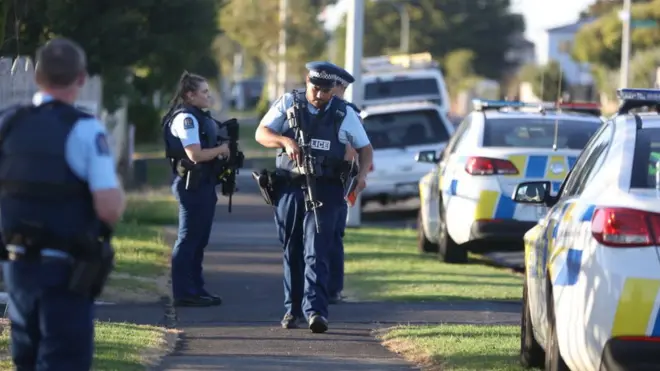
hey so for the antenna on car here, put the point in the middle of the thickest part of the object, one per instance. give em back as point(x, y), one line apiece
point(559, 99)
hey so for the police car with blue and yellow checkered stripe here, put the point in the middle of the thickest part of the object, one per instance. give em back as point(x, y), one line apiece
point(592, 282)
point(466, 199)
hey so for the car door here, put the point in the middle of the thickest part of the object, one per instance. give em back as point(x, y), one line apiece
point(549, 249)
point(447, 160)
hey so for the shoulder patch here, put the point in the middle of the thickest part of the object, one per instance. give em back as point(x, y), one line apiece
point(188, 123)
point(102, 147)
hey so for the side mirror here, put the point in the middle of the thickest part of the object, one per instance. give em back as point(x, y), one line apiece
point(532, 192)
point(429, 157)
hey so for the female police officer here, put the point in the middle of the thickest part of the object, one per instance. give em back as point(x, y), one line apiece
point(330, 124)
point(191, 145)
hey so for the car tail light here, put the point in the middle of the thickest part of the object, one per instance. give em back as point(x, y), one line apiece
point(490, 166)
point(620, 227)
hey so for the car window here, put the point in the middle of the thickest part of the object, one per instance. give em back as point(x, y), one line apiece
point(458, 135)
point(589, 162)
point(401, 87)
point(534, 132)
point(402, 129)
point(645, 158)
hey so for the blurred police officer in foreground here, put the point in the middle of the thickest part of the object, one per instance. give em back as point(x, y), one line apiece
point(59, 187)
point(330, 124)
point(191, 137)
point(336, 282)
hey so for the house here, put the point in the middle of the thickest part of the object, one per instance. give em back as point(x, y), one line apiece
point(559, 46)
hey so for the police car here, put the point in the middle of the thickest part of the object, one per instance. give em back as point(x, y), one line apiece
point(397, 132)
point(403, 78)
point(593, 262)
point(466, 198)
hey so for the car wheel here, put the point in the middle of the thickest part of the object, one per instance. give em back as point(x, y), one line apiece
point(553, 358)
point(531, 353)
point(449, 251)
point(423, 244)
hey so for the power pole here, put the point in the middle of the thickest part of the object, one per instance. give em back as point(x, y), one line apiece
point(354, 93)
point(625, 44)
point(281, 51)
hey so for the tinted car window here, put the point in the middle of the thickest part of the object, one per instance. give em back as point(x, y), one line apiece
point(538, 132)
point(401, 88)
point(402, 129)
point(645, 159)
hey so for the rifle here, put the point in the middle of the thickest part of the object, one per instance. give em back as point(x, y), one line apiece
point(234, 162)
point(308, 166)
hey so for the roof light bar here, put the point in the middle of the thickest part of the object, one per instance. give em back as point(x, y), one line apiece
point(399, 62)
point(485, 104)
point(637, 98)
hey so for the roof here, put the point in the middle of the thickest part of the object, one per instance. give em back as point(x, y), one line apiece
point(399, 107)
point(550, 115)
point(572, 27)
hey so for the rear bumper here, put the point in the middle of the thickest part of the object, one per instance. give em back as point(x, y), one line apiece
point(638, 355)
point(500, 230)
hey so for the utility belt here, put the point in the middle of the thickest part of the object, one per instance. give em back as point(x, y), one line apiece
point(271, 182)
point(91, 257)
point(196, 174)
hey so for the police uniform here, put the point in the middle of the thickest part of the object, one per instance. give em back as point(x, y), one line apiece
point(185, 126)
point(306, 252)
point(336, 281)
point(52, 156)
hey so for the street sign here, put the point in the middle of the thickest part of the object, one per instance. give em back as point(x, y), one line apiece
point(643, 23)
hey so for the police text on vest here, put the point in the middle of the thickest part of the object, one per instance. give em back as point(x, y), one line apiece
point(321, 145)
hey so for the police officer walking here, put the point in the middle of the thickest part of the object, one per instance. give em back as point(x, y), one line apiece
point(329, 124)
point(58, 185)
point(190, 135)
point(336, 282)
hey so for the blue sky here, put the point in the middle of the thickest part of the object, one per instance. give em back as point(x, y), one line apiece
point(539, 16)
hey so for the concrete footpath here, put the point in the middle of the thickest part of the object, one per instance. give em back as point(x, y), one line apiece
point(243, 264)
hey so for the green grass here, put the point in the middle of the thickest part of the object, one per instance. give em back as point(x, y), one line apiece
point(383, 264)
point(457, 347)
point(142, 254)
point(119, 346)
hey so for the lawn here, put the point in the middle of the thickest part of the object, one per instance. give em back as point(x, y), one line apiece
point(383, 264)
point(142, 254)
point(119, 346)
point(457, 347)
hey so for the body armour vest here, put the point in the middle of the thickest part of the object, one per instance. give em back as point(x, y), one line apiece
point(37, 186)
point(207, 129)
point(322, 132)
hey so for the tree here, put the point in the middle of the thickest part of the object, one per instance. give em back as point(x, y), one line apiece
point(160, 36)
point(255, 25)
point(600, 41)
point(459, 68)
point(602, 7)
point(442, 26)
point(548, 82)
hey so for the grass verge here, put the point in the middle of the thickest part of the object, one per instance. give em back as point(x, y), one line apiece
point(383, 264)
point(119, 346)
point(457, 347)
point(142, 254)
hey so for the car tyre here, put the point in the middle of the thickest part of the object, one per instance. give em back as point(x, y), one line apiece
point(553, 359)
point(532, 354)
point(423, 244)
point(449, 251)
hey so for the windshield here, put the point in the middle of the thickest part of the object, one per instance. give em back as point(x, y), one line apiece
point(647, 155)
point(407, 87)
point(402, 129)
point(538, 132)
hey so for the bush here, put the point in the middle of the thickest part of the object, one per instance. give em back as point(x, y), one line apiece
point(147, 121)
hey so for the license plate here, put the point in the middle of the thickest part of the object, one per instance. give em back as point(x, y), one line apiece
point(407, 188)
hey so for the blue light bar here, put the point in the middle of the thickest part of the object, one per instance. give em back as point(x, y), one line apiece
point(641, 95)
point(483, 104)
point(637, 98)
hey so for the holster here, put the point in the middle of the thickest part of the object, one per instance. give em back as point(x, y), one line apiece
point(90, 273)
point(190, 171)
point(267, 182)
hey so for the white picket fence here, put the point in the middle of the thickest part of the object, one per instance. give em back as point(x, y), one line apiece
point(17, 86)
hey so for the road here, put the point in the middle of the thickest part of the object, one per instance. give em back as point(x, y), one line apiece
point(244, 264)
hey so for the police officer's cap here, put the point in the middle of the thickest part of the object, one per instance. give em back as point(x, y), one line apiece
point(326, 74)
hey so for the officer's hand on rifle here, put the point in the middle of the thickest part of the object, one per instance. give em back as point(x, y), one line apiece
point(224, 150)
point(292, 150)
